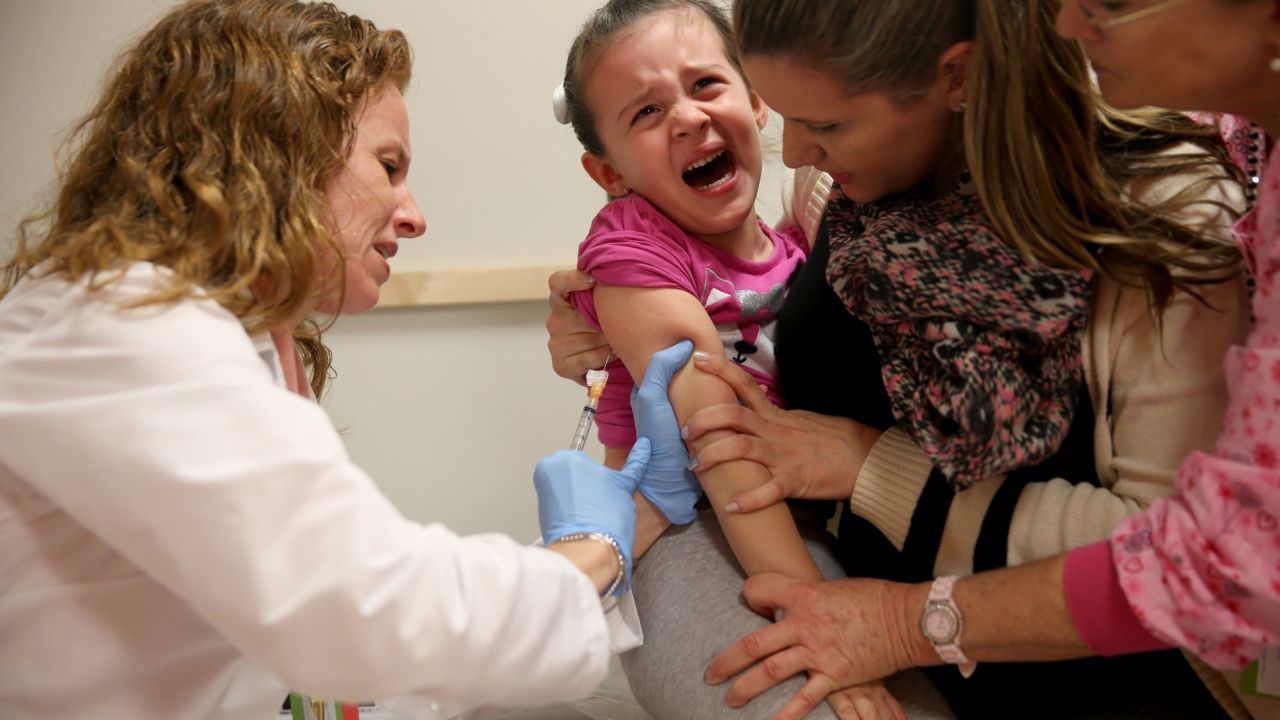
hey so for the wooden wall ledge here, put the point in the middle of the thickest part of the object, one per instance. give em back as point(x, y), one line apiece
point(471, 286)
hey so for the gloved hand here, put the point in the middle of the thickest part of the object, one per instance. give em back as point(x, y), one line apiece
point(577, 494)
point(668, 482)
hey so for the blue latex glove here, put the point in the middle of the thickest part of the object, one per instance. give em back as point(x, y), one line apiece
point(577, 494)
point(668, 483)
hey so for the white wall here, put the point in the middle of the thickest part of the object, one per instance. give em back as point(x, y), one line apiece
point(447, 408)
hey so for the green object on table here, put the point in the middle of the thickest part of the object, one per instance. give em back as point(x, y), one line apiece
point(1249, 682)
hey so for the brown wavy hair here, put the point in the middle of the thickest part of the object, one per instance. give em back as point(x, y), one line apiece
point(208, 153)
point(1054, 166)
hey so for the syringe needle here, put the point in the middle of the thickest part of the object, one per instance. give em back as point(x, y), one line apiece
point(596, 380)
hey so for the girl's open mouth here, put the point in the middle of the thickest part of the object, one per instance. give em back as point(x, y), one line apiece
point(711, 172)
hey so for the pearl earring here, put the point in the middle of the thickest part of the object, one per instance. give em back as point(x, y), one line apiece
point(560, 105)
point(1275, 64)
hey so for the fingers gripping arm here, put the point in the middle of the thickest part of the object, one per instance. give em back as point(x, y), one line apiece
point(574, 346)
point(640, 322)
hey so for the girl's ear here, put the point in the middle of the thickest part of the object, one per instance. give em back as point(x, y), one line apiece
point(953, 73)
point(605, 174)
point(759, 109)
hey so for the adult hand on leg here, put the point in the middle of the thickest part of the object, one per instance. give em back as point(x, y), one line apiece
point(843, 633)
point(870, 701)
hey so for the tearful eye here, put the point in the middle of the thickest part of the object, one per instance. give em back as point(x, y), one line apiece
point(644, 112)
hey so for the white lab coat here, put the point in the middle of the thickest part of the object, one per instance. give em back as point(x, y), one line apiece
point(182, 537)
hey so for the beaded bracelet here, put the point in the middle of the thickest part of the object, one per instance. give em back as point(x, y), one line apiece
point(617, 551)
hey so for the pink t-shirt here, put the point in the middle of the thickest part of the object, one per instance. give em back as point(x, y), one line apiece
point(632, 244)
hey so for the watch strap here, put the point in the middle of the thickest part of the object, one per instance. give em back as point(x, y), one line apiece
point(942, 592)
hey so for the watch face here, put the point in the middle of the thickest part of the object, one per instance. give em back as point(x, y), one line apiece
point(939, 623)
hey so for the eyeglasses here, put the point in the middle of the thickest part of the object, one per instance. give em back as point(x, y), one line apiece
point(1102, 20)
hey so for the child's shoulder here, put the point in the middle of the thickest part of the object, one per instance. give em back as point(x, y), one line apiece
point(631, 243)
point(634, 214)
point(633, 225)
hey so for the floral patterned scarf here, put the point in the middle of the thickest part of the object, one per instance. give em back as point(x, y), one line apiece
point(980, 349)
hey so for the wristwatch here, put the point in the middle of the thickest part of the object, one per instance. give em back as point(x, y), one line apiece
point(942, 622)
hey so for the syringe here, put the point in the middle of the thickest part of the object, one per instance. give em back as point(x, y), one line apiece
point(596, 380)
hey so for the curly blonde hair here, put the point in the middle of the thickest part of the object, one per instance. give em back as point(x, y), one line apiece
point(208, 154)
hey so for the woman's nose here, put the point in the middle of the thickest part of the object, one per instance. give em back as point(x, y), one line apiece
point(798, 149)
point(409, 220)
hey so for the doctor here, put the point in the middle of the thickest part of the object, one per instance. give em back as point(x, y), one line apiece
point(181, 532)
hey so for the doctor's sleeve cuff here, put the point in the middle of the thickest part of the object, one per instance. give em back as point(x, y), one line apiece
point(1098, 607)
point(888, 486)
point(623, 621)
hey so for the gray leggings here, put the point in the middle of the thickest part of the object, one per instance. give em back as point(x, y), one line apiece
point(688, 590)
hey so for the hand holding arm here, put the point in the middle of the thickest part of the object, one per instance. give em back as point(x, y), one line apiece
point(640, 323)
point(808, 455)
point(574, 345)
point(668, 483)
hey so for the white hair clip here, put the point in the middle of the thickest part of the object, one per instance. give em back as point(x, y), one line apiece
point(560, 105)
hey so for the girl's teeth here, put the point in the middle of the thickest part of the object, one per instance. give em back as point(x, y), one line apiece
point(716, 184)
point(704, 161)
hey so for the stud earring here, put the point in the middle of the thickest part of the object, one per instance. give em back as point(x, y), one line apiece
point(1275, 64)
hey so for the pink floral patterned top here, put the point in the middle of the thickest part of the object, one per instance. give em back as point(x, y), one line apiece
point(1201, 570)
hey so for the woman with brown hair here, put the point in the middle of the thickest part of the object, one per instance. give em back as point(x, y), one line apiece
point(1015, 291)
point(182, 534)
